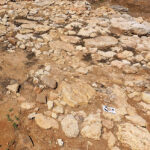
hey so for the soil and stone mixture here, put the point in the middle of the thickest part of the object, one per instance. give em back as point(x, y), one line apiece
point(73, 76)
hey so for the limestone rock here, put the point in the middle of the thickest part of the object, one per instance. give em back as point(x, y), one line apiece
point(107, 123)
point(50, 104)
point(32, 115)
point(58, 109)
point(60, 45)
point(49, 82)
point(60, 142)
point(46, 122)
point(144, 107)
point(137, 120)
point(101, 42)
point(27, 105)
point(111, 140)
point(70, 126)
point(91, 127)
point(129, 42)
point(71, 39)
point(2, 30)
point(134, 137)
point(146, 97)
point(128, 24)
point(41, 28)
point(13, 87)
point(75, 94)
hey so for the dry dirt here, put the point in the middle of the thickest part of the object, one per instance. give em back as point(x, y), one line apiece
point(17, 132)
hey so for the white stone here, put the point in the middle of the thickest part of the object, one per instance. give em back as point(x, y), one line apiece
point(50, 104)
point(13, 87)
point(58, 109)
point(48, 68)
point(54, 115)
point(146, 97)
point(60, 142)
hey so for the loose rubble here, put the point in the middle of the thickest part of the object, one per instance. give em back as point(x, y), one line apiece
point(78, 75)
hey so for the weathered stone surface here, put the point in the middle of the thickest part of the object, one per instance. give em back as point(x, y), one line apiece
point(146, 97)
point(60, 45)
point(70, 126)
point(49, 81)
point(46, 122)
point(70, 39)
point(75, 94)
point(13, 87)
point(137, 120)
point(107, 123)
point(128, 24)
point(2, 30)
point(58, 109)
point(111, 140)
point(27, 105)
point(91, 127)
point(134, 137)
point(129, 42)
point(120, 104)
point(101, 42)
point(41, 28)
point(50, 104)
point(144, 107)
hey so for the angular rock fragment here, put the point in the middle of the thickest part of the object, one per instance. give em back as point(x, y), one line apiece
point(146, 97)
point(27, 105)
point(77, 93)
point(46, 122)
point(70, 126)
point(49, 82)
point(134, 137)
point(101, 42)
point(13, 87)
point(91, 127)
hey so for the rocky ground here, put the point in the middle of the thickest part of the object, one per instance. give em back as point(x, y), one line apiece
point(63, 64)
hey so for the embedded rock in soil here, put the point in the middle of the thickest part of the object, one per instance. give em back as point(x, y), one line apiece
point(91, 127)
point(13, 87)
point(75, 94)
point(137, 120)
point(46, 122)
point(41, 98)
point(101, 42)
point(128, 24)
point(50, 104)
point(27, 105)
point(60, 45)
point(71, 39)
point(134, 137)
point(2, 30)
point(70, 126)
point(146, 97)
point(49, 82)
